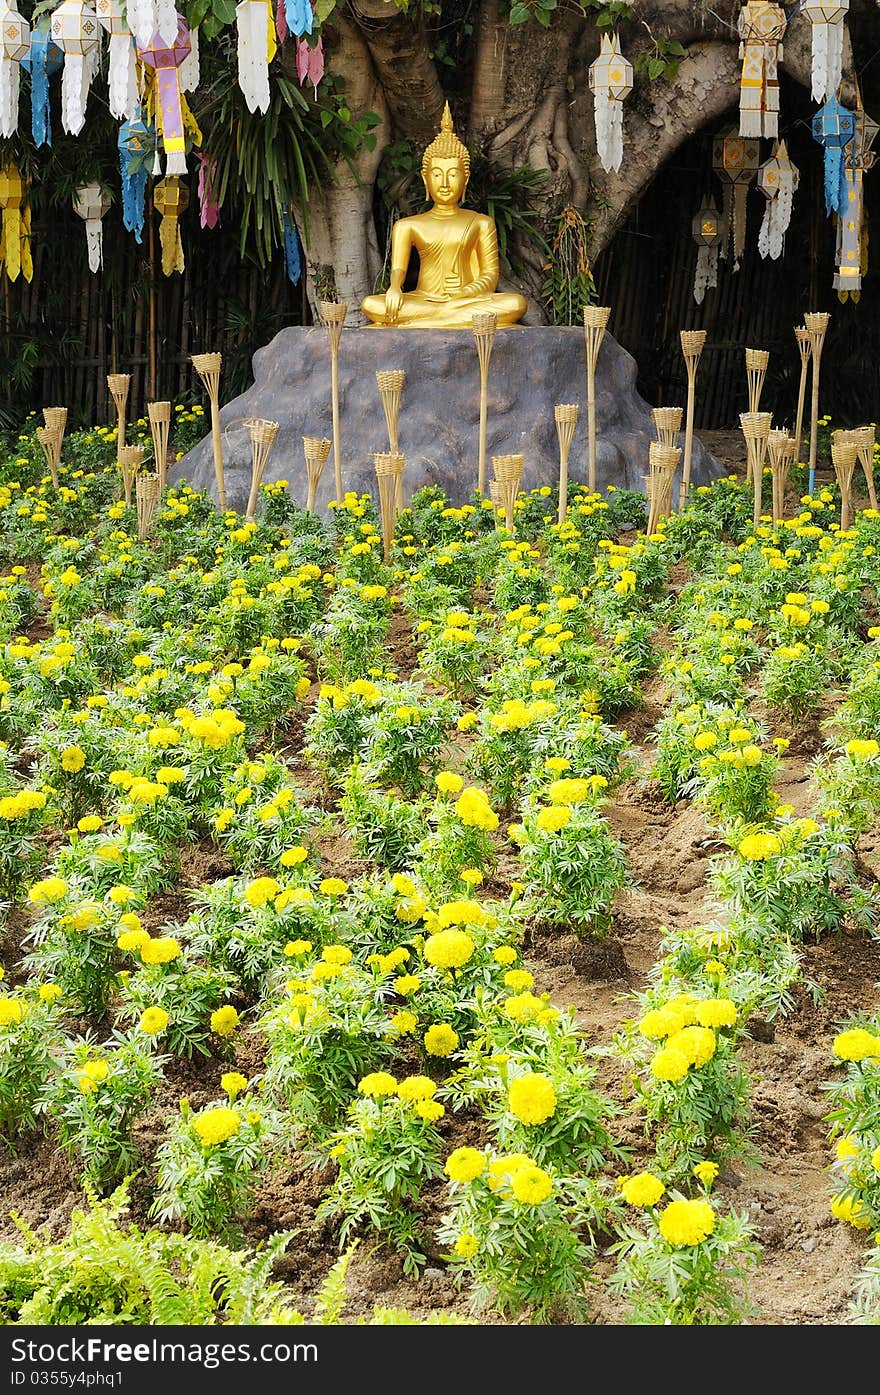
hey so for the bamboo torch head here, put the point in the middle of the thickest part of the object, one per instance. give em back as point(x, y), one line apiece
point(56, 420)
point(208, 368)
point(148, 489)
point(804, 343)
point(262, 435)
point(816, 323)
point(757, 359)
point(130, 459)
point(119, 383)
point(692, 344)
point(508, 473)
point(390, 384)
point(667, 422)
point(333, 313)
point(565, 415)
point(316, 450)
point(484, 327)
point(595, 323)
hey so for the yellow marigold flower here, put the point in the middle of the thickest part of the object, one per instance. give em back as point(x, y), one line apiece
point(448, 949)
point(716, 1012)
point(524, 1007)
point(336, 954)
point(737, 736)
point(468, 721)
point(518, 980)
point(416, 1087)
point(216, 1125)
point(95, 1070)
point(851, 1210)
point(224, 1020)
point(261, 891)
point(11, 1010)
point(440, 1040)
point(406, 984)
point(48, 891)
point(90, 823)
point(504, 954)
point(661, 1022)
point(687, 1222)
point(532, 1098)
point(705, 740)
point(472, 876)
point(531, 1184)
point(669, 1065)
point(862, 750)
point(129, 920)
point(333, 886)
point(404, 1022)
point(49, 992)
point(153, 1021)
point(875, 1159)
point(474, 810)
point(696, 1044)
point(706, 1172)
point(448, 782)
point(378, 1083)
point(846, 1148)
point(160, 951)
point(857, 1044)
point(73, 758)
point(291, 857)
point(554, 818)
point(641, 1189)
point(429, 1110)
point(467, 1245)
point(232, 1082)
point(757, 846)
point(465, 1164)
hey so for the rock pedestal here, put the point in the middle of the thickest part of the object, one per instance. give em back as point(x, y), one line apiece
point(532, 368)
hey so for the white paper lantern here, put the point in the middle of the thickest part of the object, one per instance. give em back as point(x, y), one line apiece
point(777, 179)
point(76, 31)
point(122, 87)
point(611, 80)
point(827, 45)
point(15, 44)
point(91, 202)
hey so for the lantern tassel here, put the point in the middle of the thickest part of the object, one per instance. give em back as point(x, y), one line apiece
point(95, 244)
point(172, 247)
point(608, 115)
point(253, 57)
point(706, 274)
point(9, 86)
point(122, 86)
point(167, 20)
point(298, 14)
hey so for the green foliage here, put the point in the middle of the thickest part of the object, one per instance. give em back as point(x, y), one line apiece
point(568, 282)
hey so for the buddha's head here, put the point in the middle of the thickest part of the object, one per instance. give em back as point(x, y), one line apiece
point(446, 165)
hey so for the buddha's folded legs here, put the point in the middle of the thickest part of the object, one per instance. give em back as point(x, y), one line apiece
point(421, 312)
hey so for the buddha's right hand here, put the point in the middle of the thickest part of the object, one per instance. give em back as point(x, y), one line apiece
point(393, 302)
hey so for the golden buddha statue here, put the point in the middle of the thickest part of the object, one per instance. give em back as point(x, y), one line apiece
point(458, 252)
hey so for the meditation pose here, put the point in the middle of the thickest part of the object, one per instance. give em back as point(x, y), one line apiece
point(458, 252)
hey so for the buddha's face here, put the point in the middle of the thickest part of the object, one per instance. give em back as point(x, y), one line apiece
point(445, 181)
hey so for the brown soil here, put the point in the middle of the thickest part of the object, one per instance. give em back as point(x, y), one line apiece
point(808, 1260)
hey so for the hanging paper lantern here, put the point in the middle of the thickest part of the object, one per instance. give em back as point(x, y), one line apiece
point(209, 208)
point(827, 45)
point(91, 202)
point(165, 59)
point(310, 62)
point(43, 59)
point(851, 256)
point(777, 179)
point(170, 200)
point(706, 231)
point(122, 69)
point(15, 233)
point(15, 42)
point(761, 27)
point(292, 258)
point(136, 144)
point(735, 160)
point(142, 17)
point(834, 127)
point(256, 49)
point(611, 81)
point(76, 31)
point(299, 17)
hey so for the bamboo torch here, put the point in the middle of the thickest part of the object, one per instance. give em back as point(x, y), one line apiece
point(756, 367)
point(262, 434)
point(159, 414)
point(484, 328)
point(817, 325)
point(508, 473)
point(864, 438)
point(50, 441)
point(333, 313)
point(389, 466)
point(667, 423)
point(316, 450)
point(844, 453)
point(148, 489)
point(595, 322)
point(692, 344)
point(130, 459)
point(780, 447)
point(208, 368)
point(663, 462)
point(119, 383)
point(805, 349)
point(756, 430)
point(566, 414)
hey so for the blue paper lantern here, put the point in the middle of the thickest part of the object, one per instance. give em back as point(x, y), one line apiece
point(136, 144)
point(44, 59)
point(834, 127)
